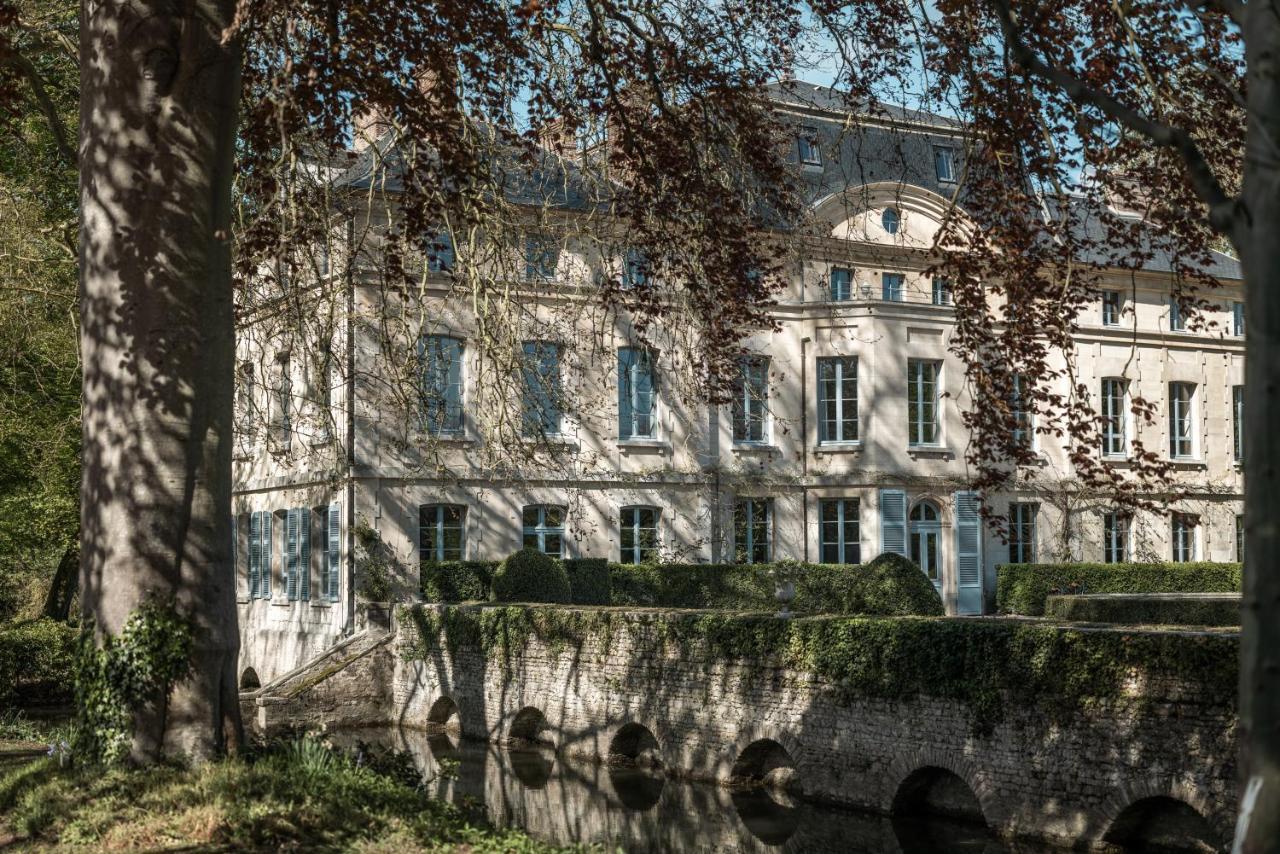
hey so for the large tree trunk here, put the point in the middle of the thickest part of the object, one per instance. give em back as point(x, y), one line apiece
point(158, 103)
point(1259, 245)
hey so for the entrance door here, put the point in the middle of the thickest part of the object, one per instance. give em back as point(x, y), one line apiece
point(926, 527)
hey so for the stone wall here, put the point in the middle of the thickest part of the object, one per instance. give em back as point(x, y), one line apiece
point(1064, 776)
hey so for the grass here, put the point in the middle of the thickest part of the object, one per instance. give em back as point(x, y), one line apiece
point(298, 796)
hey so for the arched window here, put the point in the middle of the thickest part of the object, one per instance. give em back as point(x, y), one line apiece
point(925, 532)
point(890, 220)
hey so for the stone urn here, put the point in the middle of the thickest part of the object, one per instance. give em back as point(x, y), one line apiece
point(784, 590)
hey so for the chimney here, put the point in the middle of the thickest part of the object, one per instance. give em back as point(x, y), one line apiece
point(368, 125)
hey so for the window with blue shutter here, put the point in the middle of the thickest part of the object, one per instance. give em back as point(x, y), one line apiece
point(334, 529)
point(892, 286)
point(841, 284)
point(893, 522)
point(304, 553)
point(265, 553)
point(289, 554)
point(440, 357)
point(635, 394)
point(255, 555)
point(635, 268)
point(541, 374)
point(440, 253)
point(968, 553)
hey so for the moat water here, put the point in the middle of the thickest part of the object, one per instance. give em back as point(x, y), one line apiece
point(570, 801)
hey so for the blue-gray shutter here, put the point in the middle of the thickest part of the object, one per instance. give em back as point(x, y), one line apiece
point(626, 375)
point(265, 553)
point(304, 552)
point(968, 553)
point(893, 521)
point(255, 555)
point(331, 567)
point(290, 554)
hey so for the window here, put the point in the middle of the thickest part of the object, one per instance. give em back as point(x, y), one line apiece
point(1237, 319)
point(639, 534)
point(1020, 413)
point(1111, 305)
point(440, 531)
point(297, 554)
point(541, 257)
point(282, 416)
point(925, 530)
point(807, 142)
point(751, 400)
point(1022, 532)
point(635, 268)
point(1184, 537)
point(892, 286)
point(544, 529)
point(941, 290)
point(1177, 323)
point(841, 542)
point(333, 552)
point(1181, 420)
point(636, 394)
point(838, 399)
point(440, 256)
point(890, 220)
point(841, 283)
point(260, 555)
point(441, 361)
point(1237, 420)
point(1114, 417)
point(1239, 538)
point(922, 401)
point(1115, 537)
point(753, 530)
point(541, 405)
point(944, 163)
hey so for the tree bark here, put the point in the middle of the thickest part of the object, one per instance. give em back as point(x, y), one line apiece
point(62, 590)
point(1258, 241)
point(158, 103)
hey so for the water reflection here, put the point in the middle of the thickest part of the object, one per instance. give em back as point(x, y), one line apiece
point(635, 807)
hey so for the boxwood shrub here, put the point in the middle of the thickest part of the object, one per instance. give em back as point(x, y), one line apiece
point(36, 659)
point(1021, 588)
point(457, 580)
point(1148, 609)
point(530, 576)
point(588, 581)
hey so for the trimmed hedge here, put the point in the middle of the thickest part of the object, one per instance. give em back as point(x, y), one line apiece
point(987, 664)
point(36, 662)
point(530, 576)
point(1151, 609)
point(589, 582)
point(1021, 588)
point(457, 581)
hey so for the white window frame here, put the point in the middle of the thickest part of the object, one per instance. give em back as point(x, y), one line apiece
point(897, 292)
point(547, 388)
point(1237, 319)
point(944, 154)
point(1022, 531)
point(1112, 307)
point(744, 542)
point(916, 396)
point(1116, 536)
point(841, 291)
point(637, 550)
point(920, 532)
point(1184, 537)
point(1239, 538)
point(842, 366)
point(1237, 421)
point(942, 291)
point(438, 527)
point(542, 530)
point(1022, 415)
point(1182, 421)
point(848, 511)
point(440, 392)
point(807, 146)
point(629, 371)
point(1177, 323)
point(749, 399)
point(1115, 414)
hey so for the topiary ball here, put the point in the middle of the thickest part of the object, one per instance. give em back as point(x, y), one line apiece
point(897, 586)
point(530, 576)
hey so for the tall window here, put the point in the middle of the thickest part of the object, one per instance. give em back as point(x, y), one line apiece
point(639, 534)
point(1184, 537)
point(841, 283)
point(1237, 318)
point(541, 257)
point(333, 552)
point(440, 256)
point(1181, 420)
point(282, 414)
point(635, 268)
point(1020, 412)
point(1115, 537)
point(807, 141)
point(1177, 323)
point(544, 528)
point(260, 555)
point(753, 530)
point(892, 286)
point(922, 401)
point(1237, 420)
point(1022, 532)
point(926, 528)
point(1239, 538)
point(636, 396)
point(541, 374)
point(941, 290)
point(751, 400)
point(1114, 417)
point(440, 531)
point(890, 220)
point(841, 541)
point(838, 399)
point(297, 553)
point(1111, 308)
point(944, 163)
point(441, 361)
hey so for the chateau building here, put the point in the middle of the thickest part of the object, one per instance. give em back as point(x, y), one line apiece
point(844, 439)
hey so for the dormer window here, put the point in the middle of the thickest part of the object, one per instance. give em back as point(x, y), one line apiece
point(890, 220)
point(807, 141)
point(944, 163)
